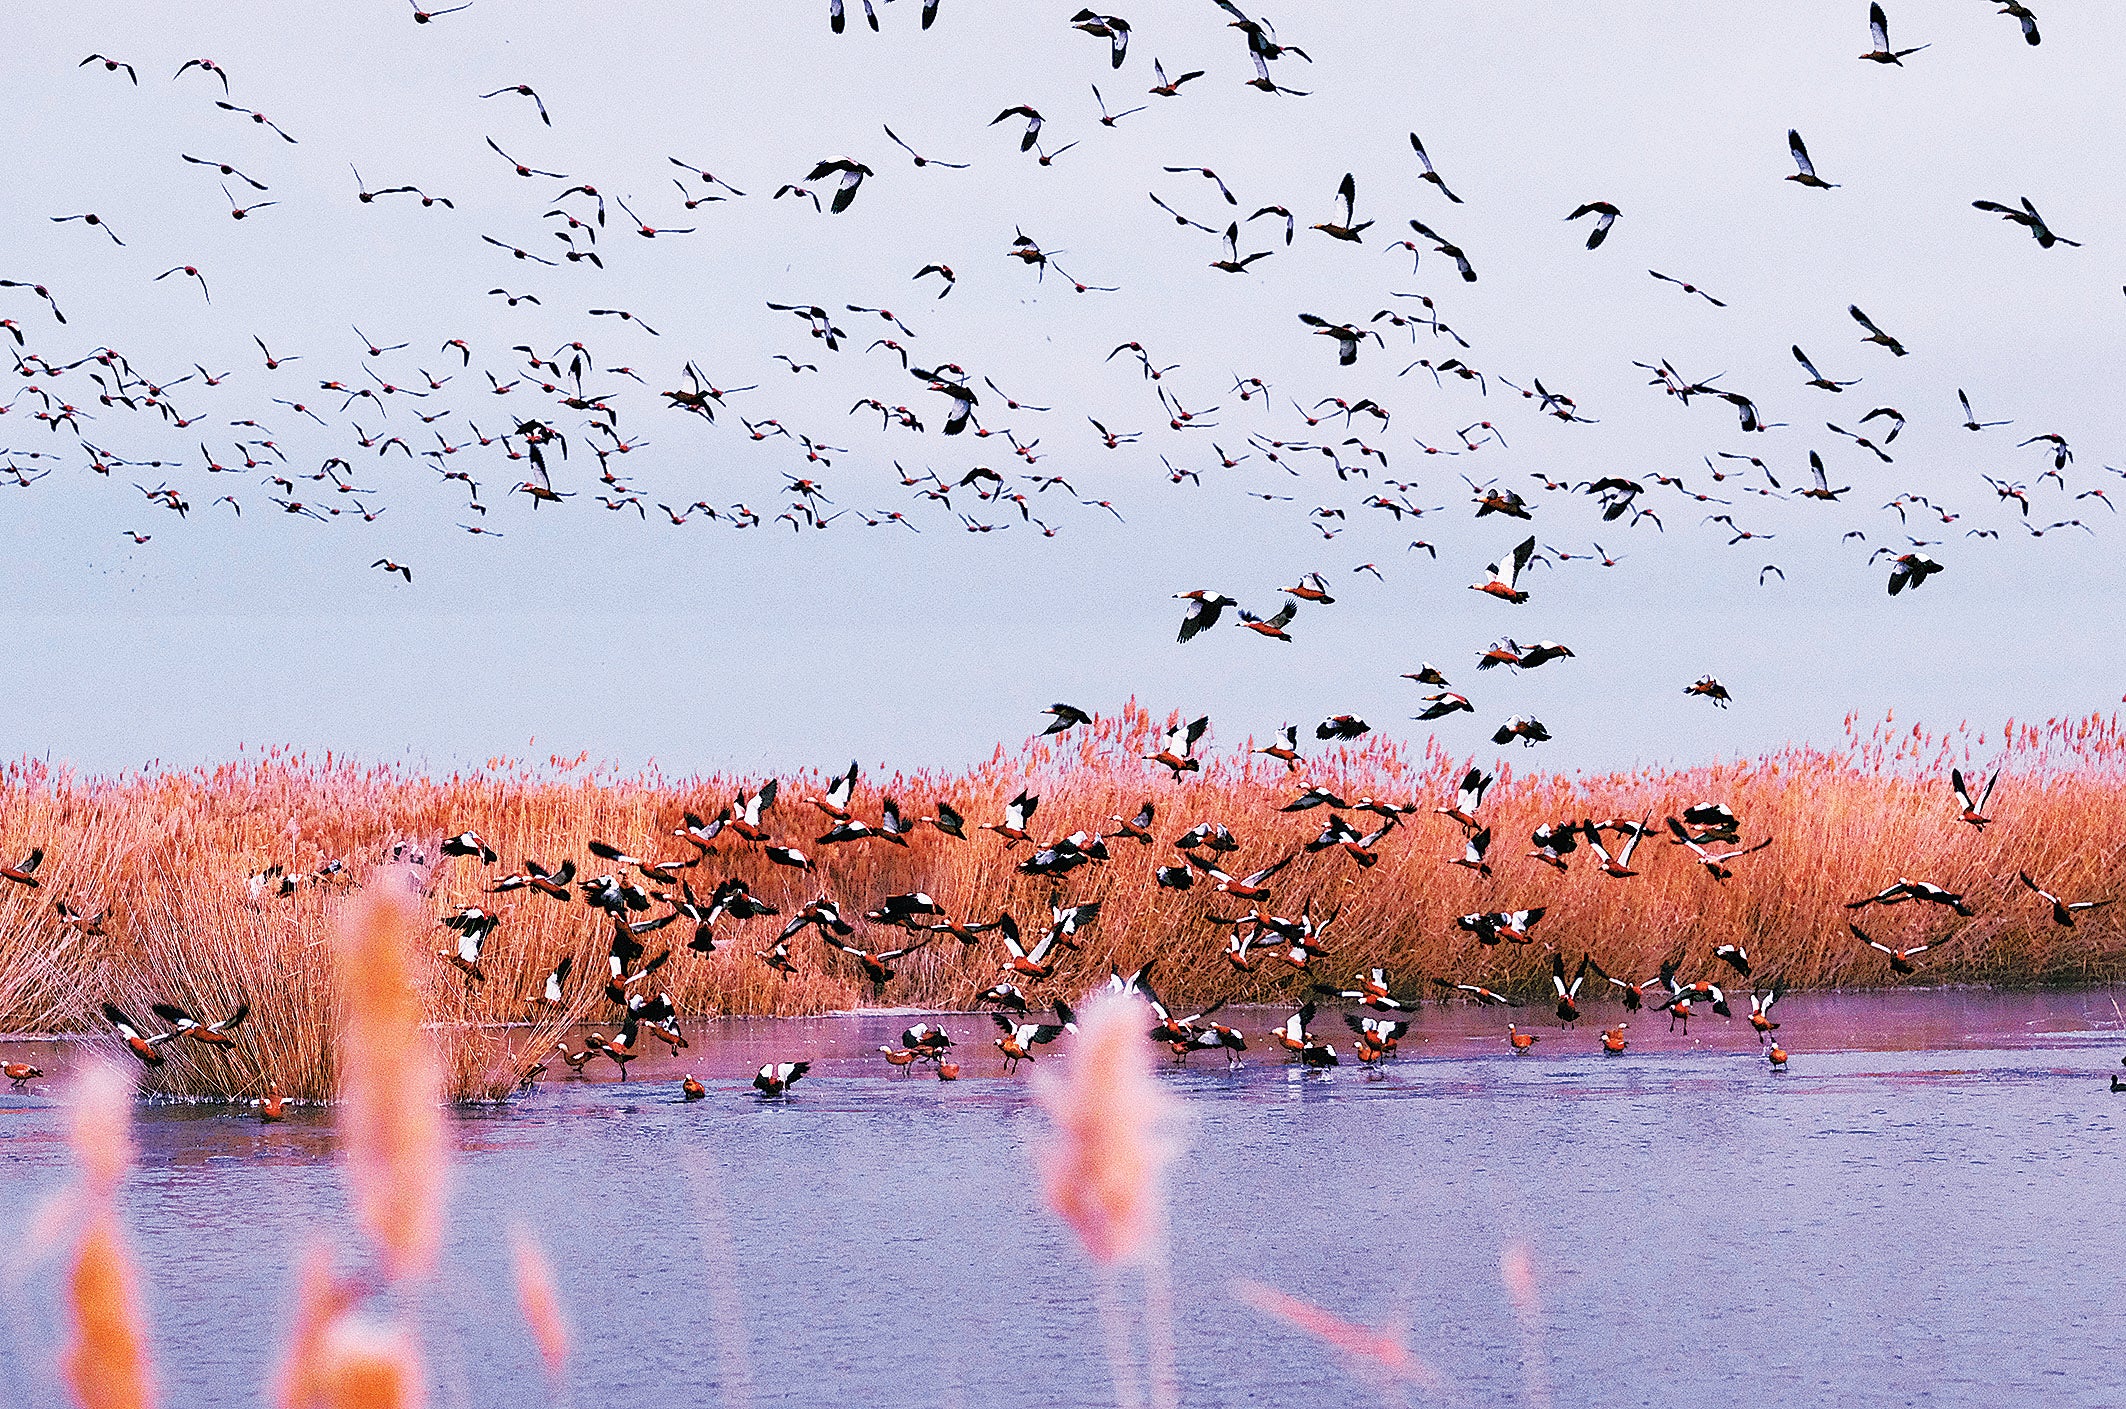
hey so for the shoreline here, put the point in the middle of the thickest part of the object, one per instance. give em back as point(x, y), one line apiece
point(1536, 1001)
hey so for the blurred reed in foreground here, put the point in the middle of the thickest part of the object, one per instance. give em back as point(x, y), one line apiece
point(105, 1362)
point(393, 1137)
point(1103, 1172)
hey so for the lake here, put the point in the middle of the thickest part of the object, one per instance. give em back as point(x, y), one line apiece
point(1923, 1209)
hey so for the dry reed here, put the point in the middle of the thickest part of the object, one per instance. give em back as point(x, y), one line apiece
point(322, 1298)
point(1102, 1170)
point(364, 1364)
point(101, 1128)
point(1378, 1354)
point(1517, 1275)
point(105, 1361)
point(391, 1118)
point(169, 853)
point(539, 1299)
point(1102, 1173)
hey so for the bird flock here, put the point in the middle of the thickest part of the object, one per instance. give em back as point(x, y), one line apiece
point(335, 437)
point(1264, 947)
point(338, 435)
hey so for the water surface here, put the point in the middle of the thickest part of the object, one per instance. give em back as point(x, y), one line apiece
point(1923, 1210)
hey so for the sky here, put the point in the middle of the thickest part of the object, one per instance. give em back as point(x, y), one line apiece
point(702, 646)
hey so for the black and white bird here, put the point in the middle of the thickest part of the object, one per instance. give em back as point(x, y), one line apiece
point(1204, 607)
point(849, 174)
point(1878, 337)
point(1879, 37)
point(1504, 583)
point(214, 1034)
point(2029, 219)
point(1605, 216)
point(1902, 890)
point(137, 1039)
point(1900, 959)
point(1018, 1039)
point(775, 1078)
point(1063, 718)
point(1908, 569)
point(1973, 812)
point(473, 926)
point(1350, 228)
point(469, 844)
point(1112, 28)
point(2063, 911)
point(1714, 862)
point(552, 992)
point(1761, 1010)
point(1567, 990)
point(1177, 746)
point(1805, 170)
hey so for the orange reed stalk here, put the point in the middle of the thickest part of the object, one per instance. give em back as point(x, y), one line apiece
point(1376, 1353)
point(106, 1359)
point(1102, 1175)
point(391, 1082)
point(102, 1127)
point(364, 1365)
point(541, 1302)
point(1111, 1142)
point(105, 1362)
point(321, 1299)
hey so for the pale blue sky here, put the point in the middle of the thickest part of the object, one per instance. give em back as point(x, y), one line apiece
point(701, 646)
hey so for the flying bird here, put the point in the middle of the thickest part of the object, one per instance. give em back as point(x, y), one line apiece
point(1504, 583)
point(1875, 334)
point(1805, 174)
point(2023, 16)
point(1203, 612)
point(1605, 216)
point(1112, 28)
point(1970, 810)
point(1879, 37)
point(2029, 219)
point(2063, 911)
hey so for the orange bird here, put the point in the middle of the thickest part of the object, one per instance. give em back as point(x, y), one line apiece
point(24, 872)
point(143, 1044)
point(184, 1024)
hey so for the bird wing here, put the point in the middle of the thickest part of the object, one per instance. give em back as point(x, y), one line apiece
point(1800, 152)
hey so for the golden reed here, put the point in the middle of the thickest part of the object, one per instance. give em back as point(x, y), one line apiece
point(168, 854)
point(362, 1364)
point(322, 1298)
point(1379, 1354)
point(395, 1140)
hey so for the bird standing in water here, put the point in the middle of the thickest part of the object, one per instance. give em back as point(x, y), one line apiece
point(776, 1078)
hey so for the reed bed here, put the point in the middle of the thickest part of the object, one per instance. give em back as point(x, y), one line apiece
point(167, 854)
